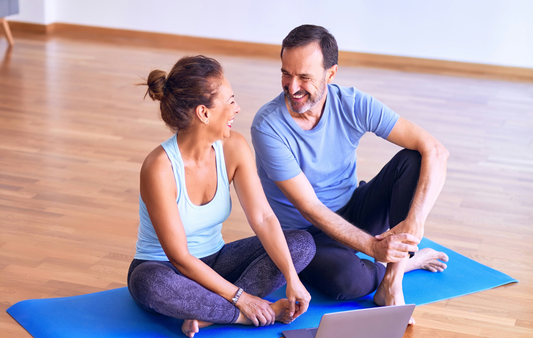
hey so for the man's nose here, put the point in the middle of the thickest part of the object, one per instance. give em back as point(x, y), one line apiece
point(294, 86)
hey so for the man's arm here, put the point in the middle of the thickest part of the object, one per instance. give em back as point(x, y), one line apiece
point(432, 174)
point(301, 194)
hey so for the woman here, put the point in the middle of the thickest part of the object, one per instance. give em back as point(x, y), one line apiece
point(182, 268)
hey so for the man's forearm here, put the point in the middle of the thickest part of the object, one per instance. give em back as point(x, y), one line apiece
point(339, 229)
point(430, 184)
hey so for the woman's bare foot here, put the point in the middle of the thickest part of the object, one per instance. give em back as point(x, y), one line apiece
point(191, 327)
point(427, 259)
point(281, 310)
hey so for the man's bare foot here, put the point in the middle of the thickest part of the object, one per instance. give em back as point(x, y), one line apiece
point(390, 294)
point(390, 291)
point(427, 259)
point(191, 327)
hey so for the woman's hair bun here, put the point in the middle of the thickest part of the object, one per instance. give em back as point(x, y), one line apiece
point(156, 84)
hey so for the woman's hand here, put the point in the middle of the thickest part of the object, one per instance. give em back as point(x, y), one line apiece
point(256, 309)
point(298, 297)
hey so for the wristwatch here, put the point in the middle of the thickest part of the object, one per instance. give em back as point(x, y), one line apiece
point(235, 298)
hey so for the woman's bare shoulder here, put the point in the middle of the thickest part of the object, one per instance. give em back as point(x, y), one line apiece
point(155, 163)
point(235, 143)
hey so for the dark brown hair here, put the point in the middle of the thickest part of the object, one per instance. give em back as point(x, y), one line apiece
point(193, 81)
point(306, 34)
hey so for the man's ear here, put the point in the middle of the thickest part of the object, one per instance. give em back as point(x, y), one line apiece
point(203, 113)
point(331, 73)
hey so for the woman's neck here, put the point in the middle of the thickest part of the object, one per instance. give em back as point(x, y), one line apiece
point(194, 144)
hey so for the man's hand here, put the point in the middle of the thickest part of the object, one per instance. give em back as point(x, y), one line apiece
point(404, 227)
point(298, 297)
point(256, 309)
point(393, 247)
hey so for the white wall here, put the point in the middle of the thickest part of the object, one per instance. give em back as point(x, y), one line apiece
point(31, 11)
point(498, 32)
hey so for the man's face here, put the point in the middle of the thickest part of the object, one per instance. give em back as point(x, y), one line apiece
point(303, 77)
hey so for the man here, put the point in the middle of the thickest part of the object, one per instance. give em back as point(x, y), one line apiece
point(305, 142)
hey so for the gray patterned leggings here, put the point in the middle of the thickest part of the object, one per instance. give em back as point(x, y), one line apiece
point(158, 286)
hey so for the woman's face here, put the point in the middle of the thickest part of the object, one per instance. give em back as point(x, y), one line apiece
point(223, 113)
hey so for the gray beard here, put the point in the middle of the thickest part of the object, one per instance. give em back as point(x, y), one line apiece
point(312, 101)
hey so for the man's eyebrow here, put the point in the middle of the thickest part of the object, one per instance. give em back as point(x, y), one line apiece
point(303, 74)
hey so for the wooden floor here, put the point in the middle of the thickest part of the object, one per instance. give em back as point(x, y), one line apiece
point(74, 130)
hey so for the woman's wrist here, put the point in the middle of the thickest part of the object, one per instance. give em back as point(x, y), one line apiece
point(291, 276)
point(237, 296)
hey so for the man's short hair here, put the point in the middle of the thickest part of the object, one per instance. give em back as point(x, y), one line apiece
point(306, 34)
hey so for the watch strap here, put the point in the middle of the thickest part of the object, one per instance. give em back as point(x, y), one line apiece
point(235, 298)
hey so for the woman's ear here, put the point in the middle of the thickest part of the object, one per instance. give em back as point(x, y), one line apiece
point(202, 112)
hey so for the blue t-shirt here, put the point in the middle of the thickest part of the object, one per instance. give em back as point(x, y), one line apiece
point(325, 154)
point(202, 223)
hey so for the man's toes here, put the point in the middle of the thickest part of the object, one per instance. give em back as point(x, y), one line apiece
point(438, 266)
point(443, 257)
point(441, 266)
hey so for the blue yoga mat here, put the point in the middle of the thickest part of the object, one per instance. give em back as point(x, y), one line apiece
point(113, 313)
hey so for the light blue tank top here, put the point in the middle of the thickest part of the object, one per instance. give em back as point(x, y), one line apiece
point(202, 223)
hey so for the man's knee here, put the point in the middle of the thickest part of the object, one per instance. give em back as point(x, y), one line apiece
point(410, 158)
point(348, 288)
point(301, 246)
point(361, 281)
point(342, 277)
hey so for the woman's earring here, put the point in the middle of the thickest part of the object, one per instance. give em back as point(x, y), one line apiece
point(206, 121)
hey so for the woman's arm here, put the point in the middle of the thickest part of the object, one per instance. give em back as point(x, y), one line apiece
point(158, 191)
point(241, 168)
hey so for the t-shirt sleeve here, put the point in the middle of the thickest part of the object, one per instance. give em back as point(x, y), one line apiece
point(274, 156)
point(373, 116)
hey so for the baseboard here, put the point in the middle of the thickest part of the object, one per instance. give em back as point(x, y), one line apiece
point(433, 66)
point(170, 41)
point(27, 27)
point(218, 46)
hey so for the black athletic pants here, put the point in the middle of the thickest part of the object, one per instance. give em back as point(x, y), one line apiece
point(374, 207)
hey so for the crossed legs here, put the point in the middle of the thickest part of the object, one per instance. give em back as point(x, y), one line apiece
point(160, 287)
point(374, 207)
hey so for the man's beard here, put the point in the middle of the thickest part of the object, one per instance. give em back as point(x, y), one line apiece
point(311, 101)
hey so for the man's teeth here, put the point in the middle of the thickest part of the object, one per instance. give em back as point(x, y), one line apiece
point(298, 96)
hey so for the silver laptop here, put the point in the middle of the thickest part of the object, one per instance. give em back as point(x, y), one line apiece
point(376, 322)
